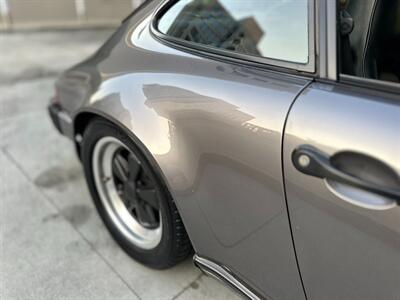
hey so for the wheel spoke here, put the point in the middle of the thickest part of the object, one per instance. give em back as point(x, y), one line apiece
point(139, 198)
point(151, 216)
point(149, 196)
point(120, 167)
point(120, 191)
point(131, 204)
point(142, 214)
point(134, 168)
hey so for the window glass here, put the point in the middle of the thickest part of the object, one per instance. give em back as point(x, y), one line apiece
point(370, 39)
point(276, 29)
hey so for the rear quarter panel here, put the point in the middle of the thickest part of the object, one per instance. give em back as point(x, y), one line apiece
point(215, 130)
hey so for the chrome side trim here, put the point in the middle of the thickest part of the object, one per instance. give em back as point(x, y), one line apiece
point(331, 40)
point(66, 124)
point(327, 39)
point(321, 44)
point(221, 273)
point(64, 117)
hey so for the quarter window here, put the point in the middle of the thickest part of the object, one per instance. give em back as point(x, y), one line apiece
point(275, 29)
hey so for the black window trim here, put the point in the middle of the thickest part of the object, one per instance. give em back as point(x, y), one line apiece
point(371, 84)
point(275, 64)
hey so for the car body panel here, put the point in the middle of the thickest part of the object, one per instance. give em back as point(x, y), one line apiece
point(215, 130)
point(344, 251)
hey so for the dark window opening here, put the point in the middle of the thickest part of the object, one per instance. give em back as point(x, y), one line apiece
point(370, 39)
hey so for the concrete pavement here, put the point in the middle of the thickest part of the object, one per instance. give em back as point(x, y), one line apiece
point(52, 243)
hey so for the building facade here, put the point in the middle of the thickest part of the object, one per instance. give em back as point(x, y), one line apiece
point(15, 14)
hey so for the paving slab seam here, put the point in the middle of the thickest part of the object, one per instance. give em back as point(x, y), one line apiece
point(188, 286)
point(51, 202)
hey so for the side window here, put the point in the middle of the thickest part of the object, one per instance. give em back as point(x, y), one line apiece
point(275, 29)
point(370, 39)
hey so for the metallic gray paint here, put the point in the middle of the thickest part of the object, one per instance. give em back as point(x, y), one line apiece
point(345, 251)
point(215, 130)
point(197, 118)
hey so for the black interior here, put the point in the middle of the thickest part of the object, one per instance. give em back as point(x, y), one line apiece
point(372, 48)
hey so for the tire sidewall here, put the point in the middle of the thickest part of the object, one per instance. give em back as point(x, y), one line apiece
point(156, 257)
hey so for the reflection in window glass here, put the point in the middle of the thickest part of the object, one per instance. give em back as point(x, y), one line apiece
point(275, 29)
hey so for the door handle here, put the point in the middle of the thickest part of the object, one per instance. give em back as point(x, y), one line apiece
point(349, 168)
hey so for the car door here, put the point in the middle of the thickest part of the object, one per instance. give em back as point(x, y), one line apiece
point(341, 167)
point(226, 111)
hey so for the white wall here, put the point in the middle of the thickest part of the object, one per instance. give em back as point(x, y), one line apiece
point(63, 13)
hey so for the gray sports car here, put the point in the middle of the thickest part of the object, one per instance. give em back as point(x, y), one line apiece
point(260, 136)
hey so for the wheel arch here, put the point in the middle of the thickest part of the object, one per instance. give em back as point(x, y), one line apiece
point(81, 121)
point(83, 118)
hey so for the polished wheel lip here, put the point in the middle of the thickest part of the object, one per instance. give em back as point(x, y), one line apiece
point(103, 154)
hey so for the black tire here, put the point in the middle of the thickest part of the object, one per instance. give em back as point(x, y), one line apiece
point(174, 245)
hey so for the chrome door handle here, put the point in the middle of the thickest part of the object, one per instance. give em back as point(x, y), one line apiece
point(349, 168)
